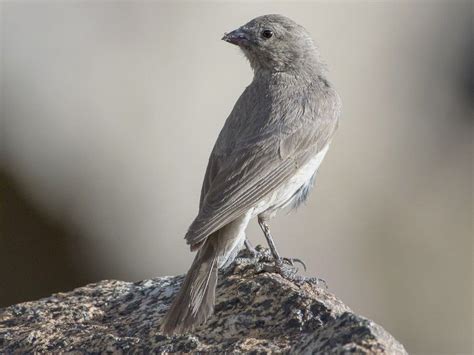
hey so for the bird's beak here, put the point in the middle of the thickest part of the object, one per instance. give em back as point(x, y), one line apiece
point(237, 37)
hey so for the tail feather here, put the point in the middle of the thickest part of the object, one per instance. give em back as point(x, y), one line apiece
point(194, 302)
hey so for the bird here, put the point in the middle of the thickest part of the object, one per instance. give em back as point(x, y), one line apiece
point(265, 157)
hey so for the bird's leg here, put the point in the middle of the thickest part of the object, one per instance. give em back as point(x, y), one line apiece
point(268, 237)
point(250, 248)
point(278, 259)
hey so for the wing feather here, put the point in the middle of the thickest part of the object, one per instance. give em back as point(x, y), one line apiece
point(249, 175)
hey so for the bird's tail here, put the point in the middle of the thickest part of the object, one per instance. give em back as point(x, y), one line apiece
point(194, 302)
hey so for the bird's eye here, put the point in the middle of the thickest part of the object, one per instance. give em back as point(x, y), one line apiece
point(267, 33)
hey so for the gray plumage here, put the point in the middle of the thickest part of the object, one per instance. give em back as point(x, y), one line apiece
point(301, 195)
point(265, 157)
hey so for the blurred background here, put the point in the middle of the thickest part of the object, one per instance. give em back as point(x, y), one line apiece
point(109, 111)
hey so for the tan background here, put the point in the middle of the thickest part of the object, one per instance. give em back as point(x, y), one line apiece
point(110, 109)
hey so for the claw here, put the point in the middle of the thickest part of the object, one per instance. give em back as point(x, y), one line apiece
point(301, 262)
point(292, 262)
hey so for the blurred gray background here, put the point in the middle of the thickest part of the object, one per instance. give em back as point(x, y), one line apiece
point(109, 111)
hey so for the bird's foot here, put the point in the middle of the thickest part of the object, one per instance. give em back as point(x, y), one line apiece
point(284, 268)
point(292, 262)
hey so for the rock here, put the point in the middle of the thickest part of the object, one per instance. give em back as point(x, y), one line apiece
point(256, 311)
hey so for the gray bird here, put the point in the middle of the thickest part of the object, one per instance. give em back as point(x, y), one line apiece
point(265, 158)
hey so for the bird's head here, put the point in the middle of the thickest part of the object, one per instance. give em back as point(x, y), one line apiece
point(274, 43)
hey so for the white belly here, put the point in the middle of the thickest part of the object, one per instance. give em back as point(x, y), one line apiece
point(232, 236)
point(283, 195)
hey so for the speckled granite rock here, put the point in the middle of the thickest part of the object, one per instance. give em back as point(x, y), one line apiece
point(256, 311)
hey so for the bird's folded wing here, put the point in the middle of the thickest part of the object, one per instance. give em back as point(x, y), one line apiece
point(211, 172)
point(249, 175)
